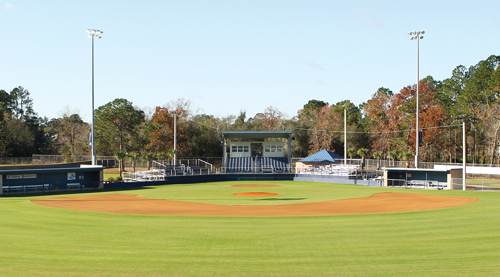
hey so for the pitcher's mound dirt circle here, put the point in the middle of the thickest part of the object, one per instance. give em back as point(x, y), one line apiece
point(378, 203)
point(255, 193)
point(255, 186)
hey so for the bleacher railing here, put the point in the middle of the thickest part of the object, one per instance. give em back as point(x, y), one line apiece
point(256, 170)
point(332, 169)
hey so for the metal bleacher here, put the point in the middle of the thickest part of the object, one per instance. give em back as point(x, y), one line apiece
point(240, 164)
point(270, 165)
point(257, 164)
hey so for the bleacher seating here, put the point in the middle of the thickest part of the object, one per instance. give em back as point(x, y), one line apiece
point(239, 164)
point(269, 164)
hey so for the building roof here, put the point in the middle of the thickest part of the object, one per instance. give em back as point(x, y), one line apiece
point(418, 169)
point(49, 170)
point(256, 134)
point(322, 156)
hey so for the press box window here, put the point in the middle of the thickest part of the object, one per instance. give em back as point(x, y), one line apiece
point(240, 148)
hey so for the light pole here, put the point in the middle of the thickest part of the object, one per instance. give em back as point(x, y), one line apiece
point(417, 35)
point(93, 34)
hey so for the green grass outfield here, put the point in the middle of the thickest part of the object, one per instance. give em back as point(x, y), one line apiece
point(458, 241)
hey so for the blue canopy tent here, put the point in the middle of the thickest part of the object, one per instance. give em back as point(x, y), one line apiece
point(322, 156)
point(317, 160)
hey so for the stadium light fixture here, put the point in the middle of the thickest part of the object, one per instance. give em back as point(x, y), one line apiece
point(417, 35)
point(93, 34)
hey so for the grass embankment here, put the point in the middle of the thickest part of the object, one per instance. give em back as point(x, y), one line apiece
point(458, 241)
point(489, 183)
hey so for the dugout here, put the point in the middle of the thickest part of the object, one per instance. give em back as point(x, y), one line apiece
point(421, 178)
point(46, 179)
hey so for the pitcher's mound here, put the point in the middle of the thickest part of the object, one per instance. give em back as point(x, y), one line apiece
point(255, 193)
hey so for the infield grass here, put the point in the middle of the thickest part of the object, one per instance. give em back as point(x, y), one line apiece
point(289, 192)
point(458, 241)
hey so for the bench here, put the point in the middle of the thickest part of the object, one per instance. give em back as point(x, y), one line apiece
point(74, 186)
point(26, 188)
point(37, 187)
point(13, 188)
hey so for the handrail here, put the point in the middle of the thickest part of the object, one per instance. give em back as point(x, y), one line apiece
point(211, 165)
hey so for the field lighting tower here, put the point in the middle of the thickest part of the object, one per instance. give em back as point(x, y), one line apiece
point(93, 34)
point(417, 35)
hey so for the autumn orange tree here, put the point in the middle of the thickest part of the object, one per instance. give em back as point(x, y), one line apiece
point(325, 129)
point(433, 119)
point(327, 132)
point(391, 120)
point(381, 120)
point(162, 136)
point(272, 118)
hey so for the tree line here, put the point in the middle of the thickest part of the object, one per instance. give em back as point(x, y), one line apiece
point(381, 127)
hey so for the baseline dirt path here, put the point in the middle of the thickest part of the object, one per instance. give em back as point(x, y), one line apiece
point(377, 203)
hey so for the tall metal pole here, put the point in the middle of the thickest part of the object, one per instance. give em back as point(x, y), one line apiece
point(94, 160)
point(175, 138)
point(464, 157)
point(417, 132)
point(93, 34)
point(345, 136)
point(417, 35)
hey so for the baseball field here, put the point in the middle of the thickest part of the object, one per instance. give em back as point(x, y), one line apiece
point(252, 229)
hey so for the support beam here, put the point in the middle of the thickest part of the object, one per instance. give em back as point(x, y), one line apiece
point(289, 152)
point(224, 153)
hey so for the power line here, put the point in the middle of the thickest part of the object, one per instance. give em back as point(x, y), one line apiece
point(385, 132)
point(349, 132)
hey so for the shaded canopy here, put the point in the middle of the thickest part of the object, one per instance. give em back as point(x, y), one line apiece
point(321, 157)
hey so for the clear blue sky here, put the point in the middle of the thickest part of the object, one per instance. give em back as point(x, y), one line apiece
point(235, 55)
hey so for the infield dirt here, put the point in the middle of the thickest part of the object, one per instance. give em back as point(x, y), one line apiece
point(377, 203)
